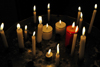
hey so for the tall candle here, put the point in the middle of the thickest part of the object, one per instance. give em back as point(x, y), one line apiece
point(78, 16)
point(39, 31)
point(92, 19)
point(47, 32)
point(60, 27)
point(33, 44)
point(25, 31)
point(74, 41)
point(82, 44)
point(3, 35)
point(80, 23)
point(34, 13)
point(48, 6)
point(20, 36)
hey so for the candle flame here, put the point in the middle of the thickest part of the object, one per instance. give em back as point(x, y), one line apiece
point(95, 6)
point(81, 15)
point(79, 8)
point(34, 8)
point(47, 25)
point(58, 49)
point(34, 33)
point(18, 26)
point(25, 27)
point(48, 6)
point(2, 26)
point(40, 19)
point(73, 24)
point(49, 51)
point(76, 29)
point(83, 31)
point(60, 21)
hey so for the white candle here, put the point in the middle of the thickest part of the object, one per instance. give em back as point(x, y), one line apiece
point(47, 32)
point(60, 27)
point(92, 19)
point(3, 35)
point(25, 31)
point(48, 6)
point(81, 20)
point(57, 56)
point(34, 13)
point(82, 44)
point(33, 44)
point(78, 16)
point(74, 41)
point(20, 36)
point(39, 31)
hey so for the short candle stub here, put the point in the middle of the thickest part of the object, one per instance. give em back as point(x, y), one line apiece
point(49, 55)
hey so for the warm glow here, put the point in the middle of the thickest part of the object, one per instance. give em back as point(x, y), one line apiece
point(2, 26)
point(48, 6)
point(79, 8)
point(58, 49)
point(47, 25)
point(81, 15)
point(18, 26)
point(95, 6)
point(60, 21)
point(49, 51)
point(76, 29)
point(40, 19)
point(34, 8)
point(34, 33)
point(25, 27)
point(73, 25)
point(83, 31)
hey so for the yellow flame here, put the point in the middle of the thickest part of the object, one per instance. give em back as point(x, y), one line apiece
point(34, 33)
point(47, 25)
point(83, 31)
point(25, 27)
point(76, 29)
point(40, 19)
point(18, 26)
point(79, 8)
point(81, 15)
point(49, 51)
point(60, 21)
point(95, 6)
point(73, 24)
point(58, 49)
point(48, 6)
point(34, 8)
point(2, 26)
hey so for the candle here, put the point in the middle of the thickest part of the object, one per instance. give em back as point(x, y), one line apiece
point(92, 19)
point(82, 44)
point(20, 36)
point(39, 31)
point(33, 44)
point(70, 30)
point(3, 35)
point(25, 31)
point(78, 16)
point(60, 27)
point(57, 56)
point(48, 6)
point(74, 41)
point(34, 13)
point(47, 32)
point(80, 23)
point(49, 55)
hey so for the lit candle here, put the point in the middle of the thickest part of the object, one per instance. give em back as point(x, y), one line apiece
point(20, 36)
point(82, 44)
point(57, 56)
point(3, 35)
point(81, 20)
point(74, 41)
point(39, 31)
point(49, 55)
point(47, 32)
point(78, 16)
point(25, 31)
point(70, 30)
point(33, 44)
point(48, 6)
point(60, 27)
point(34, 12)
point(92, 19)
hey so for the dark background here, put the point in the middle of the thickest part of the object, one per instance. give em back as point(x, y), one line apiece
point(12, 11)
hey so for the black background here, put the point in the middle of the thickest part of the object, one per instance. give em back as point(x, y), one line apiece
point(12, 11)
